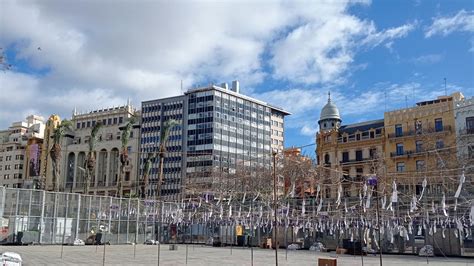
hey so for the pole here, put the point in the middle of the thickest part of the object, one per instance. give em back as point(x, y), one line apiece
point(360, 235)
point(64, 229)
point(160, 209)
point(378, 223)
point(275, 207)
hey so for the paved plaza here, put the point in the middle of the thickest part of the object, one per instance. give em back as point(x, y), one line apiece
point(202, 255)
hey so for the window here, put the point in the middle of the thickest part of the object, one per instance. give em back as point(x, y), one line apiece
point(418, 127)
point(327, 159)
point(398, 130)
point(420, 165)
point(372, 153)
point(115, 120)
point(120, 120)
point(399, 149)
point(419, 146)
point(359, 155)
point(470, 125)
point(359, 171)
point(127, 176)
point(471, 151)
point(439, 144)
point(401, 167)
point(345, 156)
point(78, 125)
point(438, 124)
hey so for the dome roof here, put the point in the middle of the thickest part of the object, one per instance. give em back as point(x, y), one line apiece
point(329, 111)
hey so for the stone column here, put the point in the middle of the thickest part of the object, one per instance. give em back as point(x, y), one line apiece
point(107, 170)
point(74, 179)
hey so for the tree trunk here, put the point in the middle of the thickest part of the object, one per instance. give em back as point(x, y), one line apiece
point(144, 185)
point(123, 161)
point(55, 175)
point(160, 181)
point(55, 154)
point(90, 165)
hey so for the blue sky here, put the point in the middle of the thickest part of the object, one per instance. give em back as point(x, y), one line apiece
point(371, 55)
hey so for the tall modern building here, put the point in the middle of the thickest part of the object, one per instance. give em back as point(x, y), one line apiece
point(219, 130)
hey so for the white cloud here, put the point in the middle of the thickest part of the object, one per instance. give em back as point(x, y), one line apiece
point(375, 38)
point(428, 59)
point(99, 53)
point(462, 21)
point(308, 131)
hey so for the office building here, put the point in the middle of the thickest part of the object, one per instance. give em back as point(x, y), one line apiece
point(219, 130)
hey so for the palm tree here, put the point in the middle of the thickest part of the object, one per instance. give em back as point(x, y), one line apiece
point(55, 151)
point(146, 173)
point(164, 134)
point(124, 153)
point(90, 161)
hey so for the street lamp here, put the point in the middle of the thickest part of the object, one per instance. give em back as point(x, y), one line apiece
point(372, 181)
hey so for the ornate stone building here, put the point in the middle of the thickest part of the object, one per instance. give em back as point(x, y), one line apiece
point(347, 152)
point(107, 150)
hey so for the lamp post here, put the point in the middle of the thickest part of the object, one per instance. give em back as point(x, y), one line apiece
point(274, 153)
point(372, 181)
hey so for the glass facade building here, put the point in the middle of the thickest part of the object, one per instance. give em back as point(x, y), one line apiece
point(219, 130)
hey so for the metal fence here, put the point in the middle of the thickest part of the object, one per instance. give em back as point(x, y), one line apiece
point(36, 216)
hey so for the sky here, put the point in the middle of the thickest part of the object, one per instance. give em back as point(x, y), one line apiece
point(372, 56)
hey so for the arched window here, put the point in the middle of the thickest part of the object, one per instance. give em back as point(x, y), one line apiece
point(327, 159)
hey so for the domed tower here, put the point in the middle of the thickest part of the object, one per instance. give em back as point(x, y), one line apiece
point(329, 118)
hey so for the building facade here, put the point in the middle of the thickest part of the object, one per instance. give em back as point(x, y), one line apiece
point(347, 153)
point(107, 151)
point(421, 143)
point(20, 149)
point(219, 130)
point(408, 146)
point(464, 119)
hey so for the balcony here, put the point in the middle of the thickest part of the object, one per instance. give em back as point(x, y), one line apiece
point(402, 134)
point(356, 161)
point(421, 131)
point(401, 154)
point(466, 131)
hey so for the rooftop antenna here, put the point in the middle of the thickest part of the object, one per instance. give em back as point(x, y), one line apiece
point(182, 86)
point(385, 96)
point(445, 90)
point(329, 96)
point(406, 101)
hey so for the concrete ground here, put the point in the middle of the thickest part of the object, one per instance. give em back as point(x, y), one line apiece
point(203, 255)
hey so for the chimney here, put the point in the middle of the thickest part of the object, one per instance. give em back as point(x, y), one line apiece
point(235, 86)
point(225, 86)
